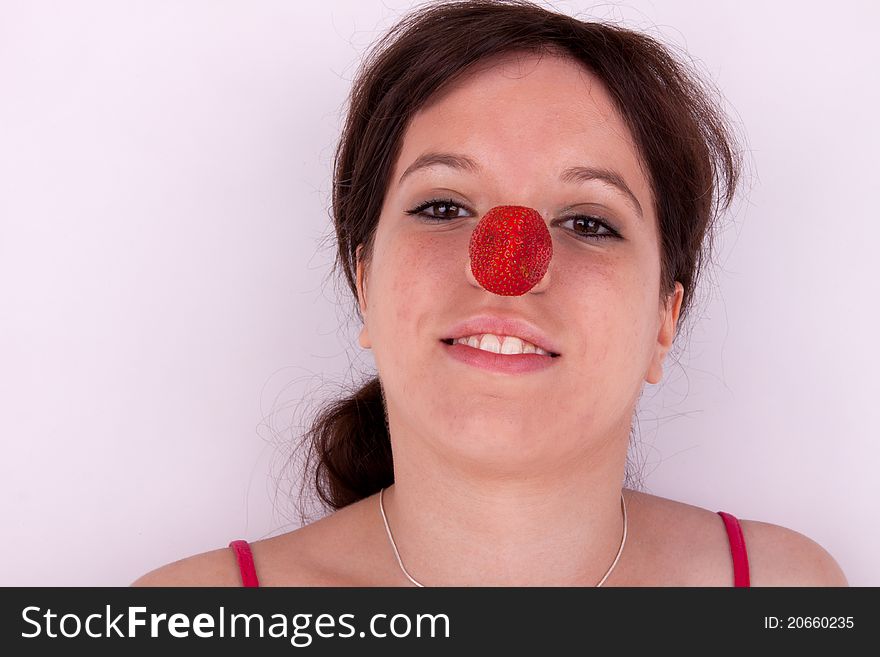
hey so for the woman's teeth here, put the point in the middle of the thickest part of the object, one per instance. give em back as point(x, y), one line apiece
point(504, 344)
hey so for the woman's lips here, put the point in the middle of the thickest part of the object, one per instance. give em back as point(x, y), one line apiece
point(499, 363)
point(503, 325)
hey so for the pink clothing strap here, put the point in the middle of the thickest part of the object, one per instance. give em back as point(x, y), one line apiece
point(737, 549)
point(245, 558)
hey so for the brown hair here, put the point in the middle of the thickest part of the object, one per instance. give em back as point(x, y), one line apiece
point(683, 138)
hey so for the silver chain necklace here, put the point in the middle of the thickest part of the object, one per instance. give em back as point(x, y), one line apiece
point(400, 562)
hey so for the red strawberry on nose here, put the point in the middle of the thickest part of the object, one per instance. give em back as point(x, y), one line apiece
point(510, 250)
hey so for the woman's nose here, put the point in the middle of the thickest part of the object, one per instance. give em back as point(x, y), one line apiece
point(510, 251)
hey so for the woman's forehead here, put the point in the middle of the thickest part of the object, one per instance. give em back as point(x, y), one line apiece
point(552, 93)
point(527, 117)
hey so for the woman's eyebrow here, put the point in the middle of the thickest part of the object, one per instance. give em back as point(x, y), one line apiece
point(430, 159)
point(570, 175)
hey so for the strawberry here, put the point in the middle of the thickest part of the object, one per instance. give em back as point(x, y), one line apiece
point(510, 250)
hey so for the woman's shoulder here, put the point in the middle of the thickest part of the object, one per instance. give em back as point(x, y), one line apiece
point(777, 555)
point(780, 556)
point(213, 568)
point(285, 560)
point(317, 554)
point(220, 567)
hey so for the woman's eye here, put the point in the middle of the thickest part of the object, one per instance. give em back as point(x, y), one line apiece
point(586, 227)
point(443, 209)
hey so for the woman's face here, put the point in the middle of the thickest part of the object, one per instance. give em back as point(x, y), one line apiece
point(523, 120)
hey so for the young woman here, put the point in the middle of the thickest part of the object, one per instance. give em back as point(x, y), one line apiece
point(456, 466)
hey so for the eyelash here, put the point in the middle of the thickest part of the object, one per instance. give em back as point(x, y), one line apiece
point(447, 201)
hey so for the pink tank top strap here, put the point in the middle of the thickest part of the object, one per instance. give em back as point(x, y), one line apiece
point(245, 559)
point(737, 549)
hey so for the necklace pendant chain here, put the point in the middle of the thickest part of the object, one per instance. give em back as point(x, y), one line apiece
point(411, 579)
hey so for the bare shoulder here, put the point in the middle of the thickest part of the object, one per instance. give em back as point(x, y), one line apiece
point(779, 556)
point(675, 544)
point(333, 551)
point(213, 568)
point(285, 560)
point(686, 545)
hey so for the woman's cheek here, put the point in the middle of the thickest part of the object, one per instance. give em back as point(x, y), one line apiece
point(431, 268)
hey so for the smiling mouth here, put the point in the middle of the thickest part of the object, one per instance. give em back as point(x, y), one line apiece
point(451, 341)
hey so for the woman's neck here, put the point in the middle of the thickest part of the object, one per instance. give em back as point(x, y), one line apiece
point(552, 527)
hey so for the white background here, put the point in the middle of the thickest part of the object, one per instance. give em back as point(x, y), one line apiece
point(166, 306)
